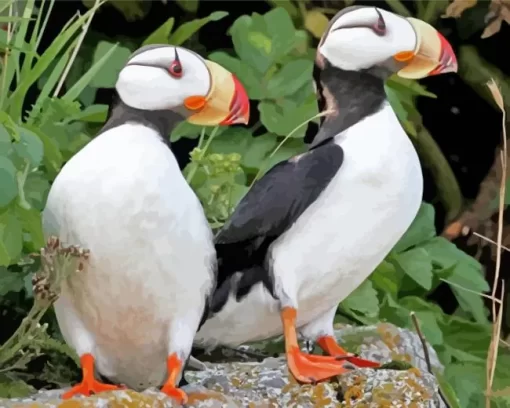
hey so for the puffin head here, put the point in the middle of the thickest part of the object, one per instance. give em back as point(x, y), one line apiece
point(362, 38)
point(165, 77)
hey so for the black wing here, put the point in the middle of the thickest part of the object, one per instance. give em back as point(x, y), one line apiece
point(271, 206)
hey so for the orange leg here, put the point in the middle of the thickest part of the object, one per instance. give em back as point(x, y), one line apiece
point(174, 366)
point(306, 368)
point(330, 346)
point(89, 385)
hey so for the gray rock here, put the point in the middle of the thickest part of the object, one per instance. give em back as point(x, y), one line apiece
point(230, 378)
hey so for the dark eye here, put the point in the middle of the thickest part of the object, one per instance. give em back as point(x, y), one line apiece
point(380, 27)
point(175, 69)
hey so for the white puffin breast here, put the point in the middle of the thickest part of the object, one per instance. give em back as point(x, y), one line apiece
point(123, 197)
point(341, 237)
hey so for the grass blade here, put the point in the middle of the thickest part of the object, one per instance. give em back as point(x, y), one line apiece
point(19, 38)
point(49, 86)
point(75, 91)
point(18, 96)
point(28, 60)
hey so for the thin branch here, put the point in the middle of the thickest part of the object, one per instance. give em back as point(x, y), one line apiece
point(416, 324)
point(489, 240)
point(75, 51)
point(498, 301)
point(497, 318)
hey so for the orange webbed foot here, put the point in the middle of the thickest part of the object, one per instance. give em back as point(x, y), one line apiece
point(330, 346)
point(308, 368)
point(89, 385)
point(176, 393)
point(174, 365)
point(89, 388)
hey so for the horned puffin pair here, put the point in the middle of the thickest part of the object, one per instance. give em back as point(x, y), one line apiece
point(315, 226)
point(304, 237)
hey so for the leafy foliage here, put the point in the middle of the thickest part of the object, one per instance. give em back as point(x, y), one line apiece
point(272, 55)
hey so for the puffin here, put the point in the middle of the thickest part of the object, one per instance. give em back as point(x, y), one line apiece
point(315, 226)
point(132, 312)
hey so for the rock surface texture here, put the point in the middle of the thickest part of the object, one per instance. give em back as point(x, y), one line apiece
point(239, 379)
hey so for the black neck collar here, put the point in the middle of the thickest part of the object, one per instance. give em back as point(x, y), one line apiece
point(162, 121)
point(351, 95)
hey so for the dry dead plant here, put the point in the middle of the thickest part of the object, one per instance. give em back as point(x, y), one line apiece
point(497, 312)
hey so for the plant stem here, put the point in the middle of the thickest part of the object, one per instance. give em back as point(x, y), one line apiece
point(191, 174)
point(85, 28)
point(259, 173)
point(5, 86)
point(9, 349)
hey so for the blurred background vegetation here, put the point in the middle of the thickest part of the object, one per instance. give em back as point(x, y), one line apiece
point(58, 65)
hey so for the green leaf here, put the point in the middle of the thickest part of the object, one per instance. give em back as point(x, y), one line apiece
point(468, 336)
point(132, 10)
point(316, 23)
point(422, 229)
point(250, 43)
point(162, 33)
point(290, 78)
point(401, 111)
point(281, 30)
point(31, 222)
point(363, 300)
point(47, 83)
point(245, 73)
point(10, 387)
point(36, 189)
point(106, 76)
point(186, 30)
point(5, 141)
point(11, 19)
point(428, 316)
point(447, 390)
point(290, 148)
point(253, 150)
point(18, 96)
point(467, 274)
point(8, 181)
point(9, 125)
point(185, 129)
point(191, 6)
point(10, 281)
point(96, 69)
point(284, 117)
point(393, 312)
point(386, 278)
point(11, 238)
point(30, 147)
point(466, 380)
point(96, 113)
point(408, 86)
point(52, 157)
point(417, 264)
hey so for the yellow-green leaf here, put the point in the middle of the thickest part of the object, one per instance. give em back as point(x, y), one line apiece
point(316, 22)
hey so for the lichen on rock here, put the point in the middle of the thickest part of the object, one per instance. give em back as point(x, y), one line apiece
point(249, 382)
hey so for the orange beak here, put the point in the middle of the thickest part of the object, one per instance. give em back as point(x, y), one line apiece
point(433, 54)
point(227, 102)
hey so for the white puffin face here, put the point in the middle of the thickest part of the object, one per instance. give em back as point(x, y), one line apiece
point(166, 77)
point(362, 37)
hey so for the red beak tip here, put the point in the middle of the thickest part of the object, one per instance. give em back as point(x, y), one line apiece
point(448, 60)
point(239, 107)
